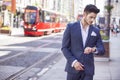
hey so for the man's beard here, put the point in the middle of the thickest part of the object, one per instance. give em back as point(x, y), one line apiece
point(87, 22)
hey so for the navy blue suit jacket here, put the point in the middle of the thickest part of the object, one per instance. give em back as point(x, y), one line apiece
point(72, 47)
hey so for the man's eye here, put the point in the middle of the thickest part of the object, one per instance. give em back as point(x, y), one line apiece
point(92, 17)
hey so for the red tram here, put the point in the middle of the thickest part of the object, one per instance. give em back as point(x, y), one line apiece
point(39, 22)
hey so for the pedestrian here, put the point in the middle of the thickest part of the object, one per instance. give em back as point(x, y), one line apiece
point(22, 23)
point(112, 29)
point(81, 40)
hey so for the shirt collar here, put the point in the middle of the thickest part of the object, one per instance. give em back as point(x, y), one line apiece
point(82, 27)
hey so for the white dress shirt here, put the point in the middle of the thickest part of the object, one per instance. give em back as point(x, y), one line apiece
point(84, 33)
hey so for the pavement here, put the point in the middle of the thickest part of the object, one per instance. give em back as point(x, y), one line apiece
point(104, 69)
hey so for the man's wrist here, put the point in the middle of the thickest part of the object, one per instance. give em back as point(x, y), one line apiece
point(95, 50)
point(73, 63)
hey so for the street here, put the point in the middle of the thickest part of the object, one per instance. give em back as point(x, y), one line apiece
point(23, 57)
point(31, 34)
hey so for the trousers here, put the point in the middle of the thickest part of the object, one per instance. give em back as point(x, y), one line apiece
point(79, 76)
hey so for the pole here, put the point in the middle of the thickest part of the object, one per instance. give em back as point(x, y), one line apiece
point(13, 11)
point(108, 19)
point(94, 2)
point(13, 6)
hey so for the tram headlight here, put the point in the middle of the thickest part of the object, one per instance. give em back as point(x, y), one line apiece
point(34, 28)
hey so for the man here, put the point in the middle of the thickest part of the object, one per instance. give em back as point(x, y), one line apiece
point(80, 42)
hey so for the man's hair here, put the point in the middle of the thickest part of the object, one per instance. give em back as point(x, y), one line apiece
point(91, 8)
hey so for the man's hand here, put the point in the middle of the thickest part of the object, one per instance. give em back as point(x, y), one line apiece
point(78, 66)
point(89, 50)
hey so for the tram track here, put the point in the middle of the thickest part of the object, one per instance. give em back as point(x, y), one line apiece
point(37, 63)
point(23, 52)
point(21, 72)
point(26, 51)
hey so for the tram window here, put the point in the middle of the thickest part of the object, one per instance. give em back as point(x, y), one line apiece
point(30, 17)
point(47, 19)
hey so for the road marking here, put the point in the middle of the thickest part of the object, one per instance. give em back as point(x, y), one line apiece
point(3, 53)
point(13, 47)
point(45, 50)
point(44, 70)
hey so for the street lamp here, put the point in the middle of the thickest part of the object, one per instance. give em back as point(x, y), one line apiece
point(109, 8)
point(108, 23)
point(94, 2)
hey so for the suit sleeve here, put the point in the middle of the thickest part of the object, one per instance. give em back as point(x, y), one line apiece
point(66, 45)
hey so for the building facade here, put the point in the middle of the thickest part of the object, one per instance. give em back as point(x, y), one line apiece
point(115, 14)
point(78, 8)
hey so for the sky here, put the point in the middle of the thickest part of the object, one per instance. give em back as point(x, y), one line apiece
point(85, 2)
point(99, 4)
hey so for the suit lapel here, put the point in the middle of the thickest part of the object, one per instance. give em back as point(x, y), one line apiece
point(80, 36)
point(89, 34)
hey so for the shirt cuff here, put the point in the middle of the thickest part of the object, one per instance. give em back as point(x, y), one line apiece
point(96, 51)
point(73, 63)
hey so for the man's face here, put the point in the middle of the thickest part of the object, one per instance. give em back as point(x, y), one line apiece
point(89, 18)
